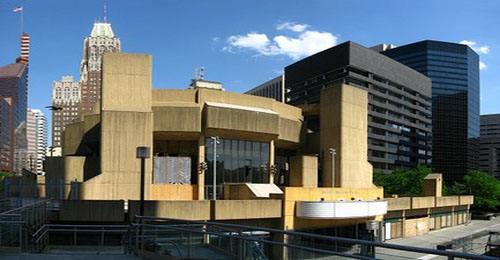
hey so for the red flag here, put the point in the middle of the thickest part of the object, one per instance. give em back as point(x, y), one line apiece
point(17, 9)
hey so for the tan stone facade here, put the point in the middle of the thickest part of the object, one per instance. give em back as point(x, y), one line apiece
point(99, 151)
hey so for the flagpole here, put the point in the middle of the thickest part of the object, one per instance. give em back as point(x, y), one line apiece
point(22, 20)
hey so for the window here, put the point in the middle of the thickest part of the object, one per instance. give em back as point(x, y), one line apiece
point(75, 92)
point(238, 161)
point(66, 93)
point(58, 93)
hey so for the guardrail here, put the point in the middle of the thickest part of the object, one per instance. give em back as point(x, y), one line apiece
point(159, 235)
point(17, 225)
point(40, 239)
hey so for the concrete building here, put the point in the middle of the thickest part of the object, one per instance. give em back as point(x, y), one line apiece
point(489, 150)
point(101, 40)
point(265, 164)
point(37, 140)
point(274, 88)
point(399, 108)
point(66, 104)
point(454, 71)
point(14, 87)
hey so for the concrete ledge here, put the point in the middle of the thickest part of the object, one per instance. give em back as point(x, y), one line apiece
point(92, 210)
point(182, 209)
point(447, 201)
point(466, 200)
point(174, 192)
point(398, 203)
point(246, 209)
point(422, 202)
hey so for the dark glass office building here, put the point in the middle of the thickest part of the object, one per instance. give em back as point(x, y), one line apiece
point(454, 71)
point(399, 106)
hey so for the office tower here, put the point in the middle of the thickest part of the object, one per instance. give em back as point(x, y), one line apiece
point(101, 39)
point(399, 124)
point(14, 95)
point(454, 71)
point(6, 135)
point(66, 101)
point(37, 140)
point(489, 145)
point(274, 88)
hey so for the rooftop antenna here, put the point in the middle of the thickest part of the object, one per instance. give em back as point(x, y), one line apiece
point(199, 73)
point(105, 13)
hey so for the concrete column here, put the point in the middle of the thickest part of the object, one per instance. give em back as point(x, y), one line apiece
point(271, 160)
point(201, 173)
point(403, 225)
point(344, 127)
point(453, 216)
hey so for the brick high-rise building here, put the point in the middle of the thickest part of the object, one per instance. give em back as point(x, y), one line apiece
point(66, 100)
point(101, 39)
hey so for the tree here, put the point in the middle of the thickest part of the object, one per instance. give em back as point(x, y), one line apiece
point(3, 174)
point(401, 182)
point(484, 187)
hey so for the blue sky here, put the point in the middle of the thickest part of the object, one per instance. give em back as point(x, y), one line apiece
point(240, 43)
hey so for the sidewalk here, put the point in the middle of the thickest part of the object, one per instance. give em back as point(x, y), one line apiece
point(435, 238)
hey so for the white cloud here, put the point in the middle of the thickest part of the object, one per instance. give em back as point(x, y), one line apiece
point(253, 41)
point(292, 26)
point(307, 42)
point(485, 49)
point(482, 65)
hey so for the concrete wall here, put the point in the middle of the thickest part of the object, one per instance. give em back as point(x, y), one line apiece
point(447, 201)
point(237, 192)
point(92, 210)
point(422, 202)
point(304, 171)
point(241, 120)
point(246, 209)
point(416, 227)
point(465, 200)
point(191, 210)
point(394, 204)
point(188, 118)
point(174, 192)
point(126, 123)
point(344, 127)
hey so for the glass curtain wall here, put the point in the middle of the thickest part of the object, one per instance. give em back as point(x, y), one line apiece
point(238, 161)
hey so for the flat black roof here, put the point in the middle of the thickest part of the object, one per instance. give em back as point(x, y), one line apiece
point(352, 54)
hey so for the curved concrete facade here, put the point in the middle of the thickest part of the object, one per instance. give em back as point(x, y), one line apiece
point(99, 149)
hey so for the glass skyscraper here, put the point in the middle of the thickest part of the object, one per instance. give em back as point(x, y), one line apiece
point(454, 71)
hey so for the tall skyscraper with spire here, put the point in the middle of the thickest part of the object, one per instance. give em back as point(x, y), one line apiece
point(101, 40)
point(70, 98)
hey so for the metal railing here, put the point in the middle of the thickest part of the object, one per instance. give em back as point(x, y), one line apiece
point(17, 225)
point(77, 235)
point(190, 239)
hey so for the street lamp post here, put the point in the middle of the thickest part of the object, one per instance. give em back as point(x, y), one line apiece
point(143, 154)
point(333, 152)
point(215, 141)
